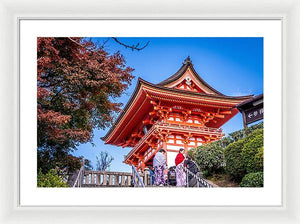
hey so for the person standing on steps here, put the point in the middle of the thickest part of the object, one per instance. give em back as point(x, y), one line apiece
point(180, 173)
point(151, 174)
point(192, 167)
point(159, 165)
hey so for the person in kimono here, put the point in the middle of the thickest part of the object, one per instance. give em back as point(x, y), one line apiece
point(180, 172)
point(159, 165)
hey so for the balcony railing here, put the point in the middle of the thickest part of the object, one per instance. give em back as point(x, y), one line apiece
point(217, 132)
point(204, 130)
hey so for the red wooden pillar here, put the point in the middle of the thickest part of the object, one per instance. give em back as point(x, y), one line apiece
point(165, 148)
point(185, 149)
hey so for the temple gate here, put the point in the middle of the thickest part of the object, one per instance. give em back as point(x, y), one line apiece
point(182, 111)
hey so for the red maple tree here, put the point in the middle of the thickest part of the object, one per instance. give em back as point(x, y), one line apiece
point(77, 84)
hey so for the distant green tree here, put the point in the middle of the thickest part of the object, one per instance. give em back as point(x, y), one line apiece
point(237, 135)
point(225, 141)
point(252, 128)
point(87, 164)
point(240, 134)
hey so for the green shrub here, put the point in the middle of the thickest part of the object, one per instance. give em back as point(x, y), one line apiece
point(259, 159)
point(234, 163)
point(225, 141)
point(251, 129)
point(253, 180)
point(205, 174)
point(254, 134)
point(251, 132)
point(192, 153)
point(210, 158)
point(50, 179)
point(252, 146)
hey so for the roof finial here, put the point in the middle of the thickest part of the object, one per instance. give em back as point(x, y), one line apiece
point(187, 60)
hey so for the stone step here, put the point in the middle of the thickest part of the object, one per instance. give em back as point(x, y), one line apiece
point(96, 185)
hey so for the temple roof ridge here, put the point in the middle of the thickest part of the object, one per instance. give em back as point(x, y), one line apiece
point(187, 64)
point(187, 60)
point(141, 81)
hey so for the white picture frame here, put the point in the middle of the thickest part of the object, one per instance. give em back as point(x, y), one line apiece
point(270, 195)
point(10, 12)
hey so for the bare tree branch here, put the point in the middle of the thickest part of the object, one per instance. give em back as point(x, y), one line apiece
point(75, 41)
point(132, 47)
point(103, 161)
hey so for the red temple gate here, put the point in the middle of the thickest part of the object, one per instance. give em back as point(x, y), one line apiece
point(182, 111)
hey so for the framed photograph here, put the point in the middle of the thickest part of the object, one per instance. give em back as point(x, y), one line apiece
point(191, 76)
point(182, 111)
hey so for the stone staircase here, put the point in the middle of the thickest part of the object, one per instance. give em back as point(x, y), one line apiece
point(94, 179)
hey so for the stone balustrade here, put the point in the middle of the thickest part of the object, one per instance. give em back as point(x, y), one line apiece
point(94, 178)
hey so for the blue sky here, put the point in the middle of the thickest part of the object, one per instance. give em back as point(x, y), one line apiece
point(233, 66)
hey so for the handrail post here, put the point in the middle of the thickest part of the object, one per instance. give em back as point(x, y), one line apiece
point(92, 178)
point(129, 180)
point(199, 180)
point(122, 180)
point(187, 177)
point(139, 180)
point(110, 179)
point(78, 177)
point(104, 178)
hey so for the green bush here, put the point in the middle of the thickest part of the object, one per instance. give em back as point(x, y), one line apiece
point(243, 153)
point(254, 134)
point(251, 131)
point(252, 146)
point(192, 153)
point(234, 162)
point(206, 174)
point(210, 158)
point(224, 142)
point(259, 159)
point(50, 179)
point(253, 180)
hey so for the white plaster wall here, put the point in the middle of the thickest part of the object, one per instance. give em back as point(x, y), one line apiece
point(171, 141)
point(171, 158)
point(192, 144)
point(174, 147)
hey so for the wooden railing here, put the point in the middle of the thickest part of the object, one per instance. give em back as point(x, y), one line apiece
point(203, 130)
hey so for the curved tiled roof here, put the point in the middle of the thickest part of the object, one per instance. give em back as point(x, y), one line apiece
point(161, 86)
point(187, 64)
point(141, 81)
